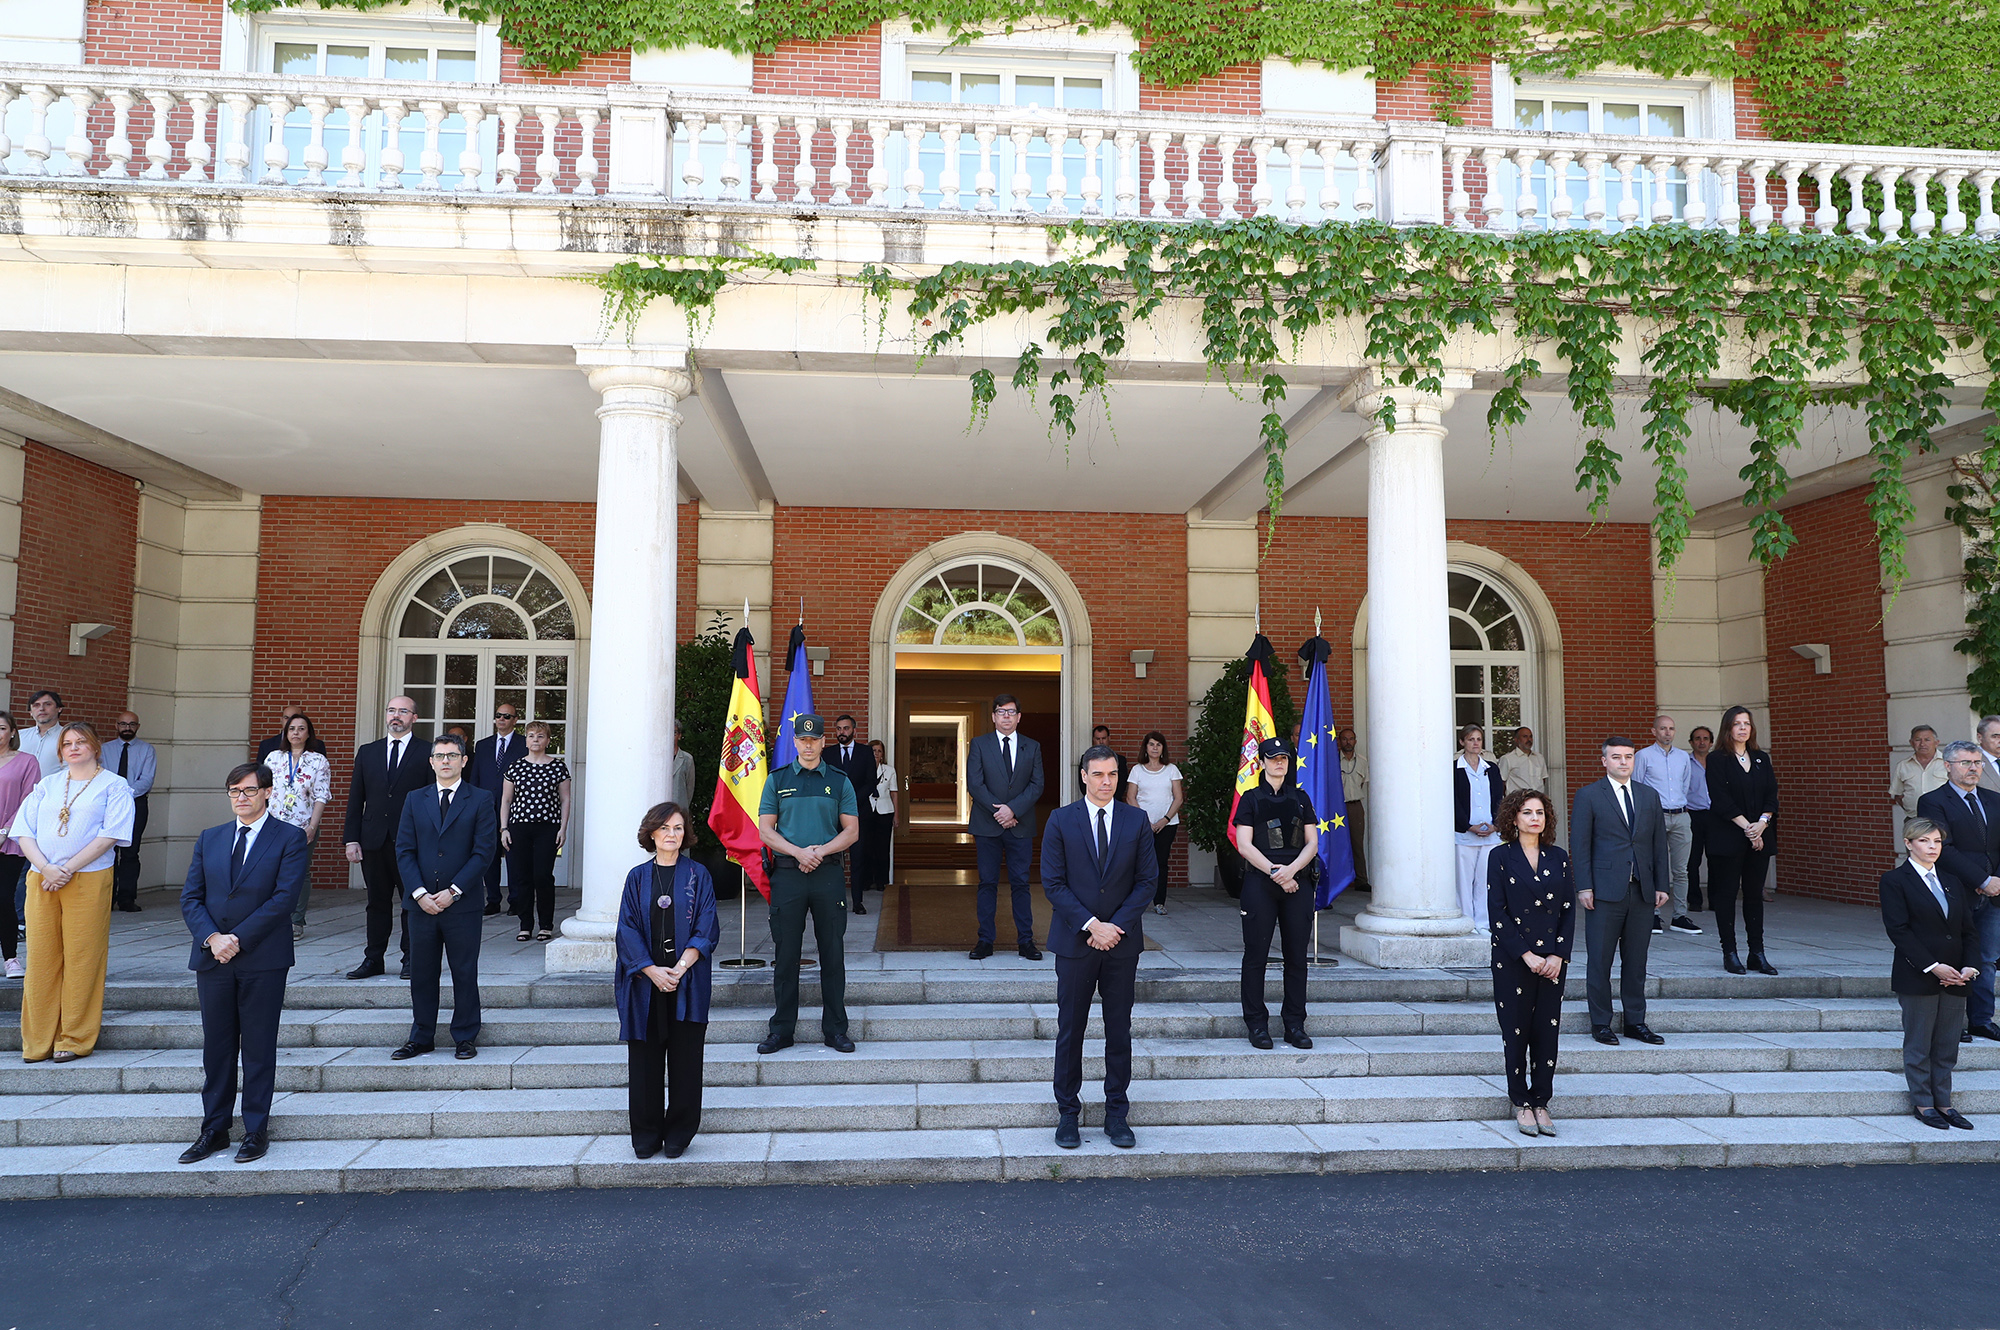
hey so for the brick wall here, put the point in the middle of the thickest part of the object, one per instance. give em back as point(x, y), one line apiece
point(311, 593)
point(1412, 97)
point(79, 536)
point(849, 66)
point(1834, 828)
point(164, 34)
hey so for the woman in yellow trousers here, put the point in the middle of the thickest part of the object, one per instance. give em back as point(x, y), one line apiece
point(70, 827)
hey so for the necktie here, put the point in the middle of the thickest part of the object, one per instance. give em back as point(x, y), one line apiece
point(1103, 835)
point(500, 752)
point(1937, 892)
point(1007, 752)
point(444, 804)
point(395, 757)
point(236, 855)
point(1972, 797)
point(1625, 802)
point(125, 758)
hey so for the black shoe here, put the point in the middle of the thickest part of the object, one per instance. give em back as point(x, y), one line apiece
point(205, 1145)
point(1957, 1119)
point(840, 1043)
point(1987, 1031)
point(1731, 964)
point(1298, 1039)
point(1694, 902)
point(1659, 924)
point(133, 908)
point(492, 909)
point(1762, 966)
point(404, 973)
point(673, 1151)
point(980, 951)
point(773, 1042)
point(1029, 951)
point(365, 970)
point(1965, 1036)
point(1067, 1136)
point(254, 1147)
point(1120, 1135)
point(859, 908)
point(1642, 1034)
point(408, 1051)
point(645, 1151)
point(1259, 1038)
point(1683, 924)
point(1930, 1117)
point(467, 1050)
point(1602, 1034)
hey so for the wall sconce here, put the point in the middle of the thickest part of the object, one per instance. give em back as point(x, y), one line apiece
point(80, 633)
point(818, 656)
point(1140, 660)
point(1819, 653)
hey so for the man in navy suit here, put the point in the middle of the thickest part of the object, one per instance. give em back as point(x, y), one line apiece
point(1618, 860)
point(1970, 816)
point(384, 774)
point(855, 760)
point(491, 757)
point(245, 881)
point(1098, 873)
point(450, 832)
point(1003, 773)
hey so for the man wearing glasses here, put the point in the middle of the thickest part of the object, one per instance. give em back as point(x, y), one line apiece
point(490, 760)
point(384, 774)
point(245, 881)
point(450, 831)
point(1970, 815)
point(1003, 773)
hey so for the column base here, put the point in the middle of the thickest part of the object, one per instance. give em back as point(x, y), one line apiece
point(1403, 951)
point(584, 946)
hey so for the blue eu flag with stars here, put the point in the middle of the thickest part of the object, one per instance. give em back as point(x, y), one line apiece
point(1319, 777)
point(798, 698)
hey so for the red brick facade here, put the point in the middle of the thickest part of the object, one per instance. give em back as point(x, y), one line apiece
point(158, 34)
point(79, 535)
point(849, 66)
point(1828, 590)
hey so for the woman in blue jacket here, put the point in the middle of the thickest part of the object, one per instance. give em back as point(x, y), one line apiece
point(666, 934)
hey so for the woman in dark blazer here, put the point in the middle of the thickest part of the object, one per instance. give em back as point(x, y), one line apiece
point(1932, 942)
point(1743, 798)
point(666, 934)
point(1532, 903)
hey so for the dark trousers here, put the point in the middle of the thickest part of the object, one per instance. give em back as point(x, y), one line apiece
point(663, 1078)
point(125, 868)
point(12, 866)
point(1727, 876)
point(1014, 850)
point(239, 1018)
point(1932, 1024)
point(1624, 927)
point(1078, 978)
point(1986, 923)
point(1265, 905)
point(877, 832)
point(531, 872)
point(823, 895)
point(1357, 837)
point(1699, 821)
point(1530, 1011)
point(452, 935)
point(385, 897)
point(1163, 853)
point(493, 876)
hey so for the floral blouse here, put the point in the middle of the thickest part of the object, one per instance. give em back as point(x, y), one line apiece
point(298, 783)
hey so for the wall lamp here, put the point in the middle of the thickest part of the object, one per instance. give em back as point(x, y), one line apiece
point(818, 656)
point(80, 633)
point(1819, 653)
point(1140, 660)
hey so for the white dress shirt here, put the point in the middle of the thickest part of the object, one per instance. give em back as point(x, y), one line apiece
point(440, 790)
point(256, 829)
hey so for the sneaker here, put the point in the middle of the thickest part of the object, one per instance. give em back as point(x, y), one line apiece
point(298, 931)
point(1159, 909)
point(1683, 924)
point(15, 969)
point(1658, 925)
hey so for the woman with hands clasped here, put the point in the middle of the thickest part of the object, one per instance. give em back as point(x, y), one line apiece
point(1928, 914)
point(1532, 904)
point(666, 934)
point(1277, 833)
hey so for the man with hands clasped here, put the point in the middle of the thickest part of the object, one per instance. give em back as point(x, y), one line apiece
point(1970, 817)
point(449, 832)
point(808, 816)
point(1618, 860)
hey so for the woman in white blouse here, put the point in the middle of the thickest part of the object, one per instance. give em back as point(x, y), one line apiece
point(301, 788)
point(1477, 790)
point(70, 827)
point(1154, 787)
point(878, 821)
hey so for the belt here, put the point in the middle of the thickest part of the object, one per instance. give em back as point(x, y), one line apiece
point(1676, 810)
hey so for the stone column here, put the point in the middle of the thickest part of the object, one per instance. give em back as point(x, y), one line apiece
point(1413, 920)
point(628, 731)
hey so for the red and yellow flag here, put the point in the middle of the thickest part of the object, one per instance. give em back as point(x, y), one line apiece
point(1257, 723)
point(739, 784)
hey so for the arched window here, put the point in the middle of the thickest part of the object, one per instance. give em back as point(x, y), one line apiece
point(480, 629)
point(983, 604)
point(1491, 658)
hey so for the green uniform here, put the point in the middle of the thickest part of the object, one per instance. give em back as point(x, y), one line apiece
point(809, 805)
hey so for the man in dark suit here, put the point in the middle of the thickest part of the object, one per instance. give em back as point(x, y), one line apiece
point(855, 760)
point(449, 833)
point(1970, 816)
point(1100, 737)
point(384, 774)
point(1098, 873)
point(490, 760)
point(245, 880)
point(277, 741)
point(1003, 773)
point(1618, 860)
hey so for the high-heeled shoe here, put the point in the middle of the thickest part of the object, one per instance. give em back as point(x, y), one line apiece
point(1760, 965)
point(1524, 1118)
point(1544, 1123)
point(1731, 964)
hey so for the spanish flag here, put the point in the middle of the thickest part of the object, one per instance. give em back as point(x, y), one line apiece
point(739, 784)
point(1257, 723)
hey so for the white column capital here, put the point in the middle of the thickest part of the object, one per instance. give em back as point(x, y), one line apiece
point(1374, 386)
point(637, 377)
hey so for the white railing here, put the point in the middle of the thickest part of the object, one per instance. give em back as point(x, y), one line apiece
point(185, 128)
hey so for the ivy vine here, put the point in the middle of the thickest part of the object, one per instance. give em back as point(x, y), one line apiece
point(1916, 73)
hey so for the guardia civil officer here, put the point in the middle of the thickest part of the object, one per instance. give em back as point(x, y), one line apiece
point(807, 817)
point(1277, 833)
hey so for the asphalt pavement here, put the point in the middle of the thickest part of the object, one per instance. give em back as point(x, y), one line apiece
point(1883, 1246)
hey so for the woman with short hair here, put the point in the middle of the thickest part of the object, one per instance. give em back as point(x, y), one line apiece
point(1532, 904)
point(878, 822)
point(70, 827)
point(19, 773)
point(534, 822)
point(301, 788)
point(1928, 915)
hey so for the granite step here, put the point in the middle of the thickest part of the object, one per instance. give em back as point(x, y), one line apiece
point(980, 1154)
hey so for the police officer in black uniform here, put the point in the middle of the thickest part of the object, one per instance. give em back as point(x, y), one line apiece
point(808, 816)
point(1277, 833)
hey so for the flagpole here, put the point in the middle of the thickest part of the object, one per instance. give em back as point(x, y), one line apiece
point(1316, 958)
point(744, 960)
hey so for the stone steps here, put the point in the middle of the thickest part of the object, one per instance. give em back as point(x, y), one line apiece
point(984, 1155)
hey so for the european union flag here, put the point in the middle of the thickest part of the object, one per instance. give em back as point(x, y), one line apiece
point(1319, 777)
point(799, 699)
